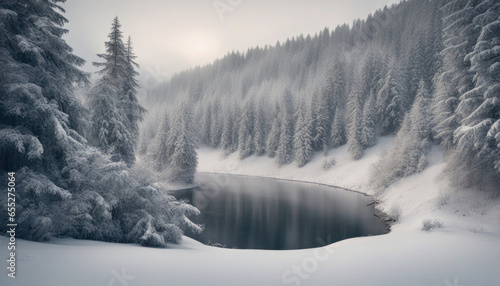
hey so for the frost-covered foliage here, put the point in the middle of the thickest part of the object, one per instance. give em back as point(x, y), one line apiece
point(284, 153)
point(430, 224)
point(174, 148)
point(355, 124)
point(392, 101)
point(229, 139)
point(109, 131)
point(475, 157)
point(412, 145)
point(260, 128)
point(184, 157)
point(368, 136)
point(328, 162)
point(247, 130)
point(303, 140)
point(66, 188)
point(338, 136)
point(112, 101)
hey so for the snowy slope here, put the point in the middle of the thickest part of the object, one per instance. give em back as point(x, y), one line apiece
point(465, 251)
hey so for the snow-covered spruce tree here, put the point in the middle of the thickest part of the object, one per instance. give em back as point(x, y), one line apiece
point(173, 134)
point(371, 75)
point(161, 152)
point(302, 138)
point(338, 136)
point(355, 123)
point(284, 154)
point(115, 58)
point(247, 130)
point(108, 131)
point(392, 101)
point(274, 138)
point(216, 124)
point(118, 84)
point(368, 136)
point(323, 121)
point(128, 102)
point(206, 124)
point(260, 128)
point(412, 145)
point(236, 126)
point(184, 158)
point(420, 132)
point(314, 117)
point(339, 82)
point(227, 140)
point(69, 189)
point(478, 137)
point(423, 62)
point(460, 36)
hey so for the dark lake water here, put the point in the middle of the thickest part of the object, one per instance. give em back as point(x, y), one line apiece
point(258, 213)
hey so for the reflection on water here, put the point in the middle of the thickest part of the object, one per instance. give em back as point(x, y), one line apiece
point(257, 213)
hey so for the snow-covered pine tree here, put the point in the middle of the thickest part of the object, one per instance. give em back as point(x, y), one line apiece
point(340, 82)
point(206, 124)
point(216, 124)
point(314, 106)
point(260, 128)
point(247, 130)
point(392, 101)
point(435, 43)
point(108, 131)
point(368, 136)
point(236, 126)
point(184, 157)
point(338, 137)
point(302, 138)
point(412, 145)
point(371, 74)
point(323, 122)
point(274, 134)
point(118, 85)
point(284, 154)
point(161, 152)
point(128, 103)
point(460, 36)
point(355, 123)
point(419, 137)
point(478, 137)
point(174, 132)
point(115, 59)
point(273, 138)
point(227, 139)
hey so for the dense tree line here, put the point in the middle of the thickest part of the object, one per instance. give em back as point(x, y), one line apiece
point(425, 71)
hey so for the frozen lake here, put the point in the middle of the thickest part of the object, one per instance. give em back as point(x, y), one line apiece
point(259, 213)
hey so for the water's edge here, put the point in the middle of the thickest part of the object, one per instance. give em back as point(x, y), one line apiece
point(388, 220)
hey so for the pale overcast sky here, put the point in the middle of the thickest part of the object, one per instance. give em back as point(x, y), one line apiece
point(172, 35)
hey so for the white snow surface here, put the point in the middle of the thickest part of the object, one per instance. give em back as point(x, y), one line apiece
point(464, 251)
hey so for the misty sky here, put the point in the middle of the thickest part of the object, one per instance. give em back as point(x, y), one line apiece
point(173, 35)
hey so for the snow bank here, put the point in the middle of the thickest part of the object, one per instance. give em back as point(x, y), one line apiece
point(464, 251)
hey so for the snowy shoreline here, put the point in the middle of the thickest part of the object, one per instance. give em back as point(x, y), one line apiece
point(463, 252)
point(287, 180)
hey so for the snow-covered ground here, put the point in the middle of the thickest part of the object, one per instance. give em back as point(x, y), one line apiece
point(464, 251)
